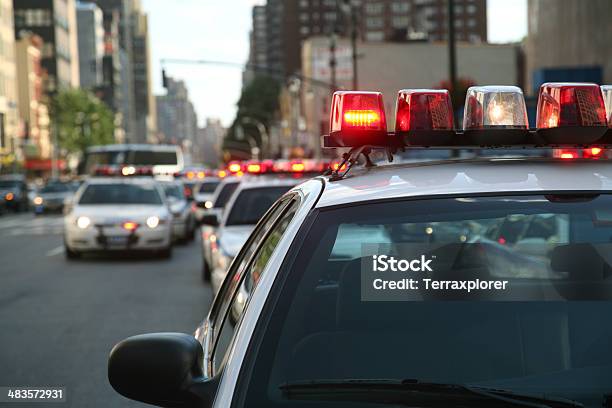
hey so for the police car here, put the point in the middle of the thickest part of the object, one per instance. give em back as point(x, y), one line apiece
point(118, 214)
point(253, 197)
point(499, 292)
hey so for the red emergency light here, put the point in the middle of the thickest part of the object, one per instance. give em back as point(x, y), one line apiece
point(234, 167)
point(358, 119)
point(577, 105)
point(424, 117)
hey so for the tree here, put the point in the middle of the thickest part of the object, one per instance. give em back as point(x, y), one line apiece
point(82, 120)
point(259, 102)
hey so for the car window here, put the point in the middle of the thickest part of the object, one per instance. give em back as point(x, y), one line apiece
point(510, 292)
point(252, 203)
point(225, 194)
point(100, 194)
point(252, 264)
point(208, 187)
point(174, 190)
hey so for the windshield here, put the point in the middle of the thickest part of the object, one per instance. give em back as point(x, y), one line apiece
point(224, 195)
point(208, 187)
point(120, 194)
point(174, 190)
point(252, 204)
point(55, 188)
point(510, 293)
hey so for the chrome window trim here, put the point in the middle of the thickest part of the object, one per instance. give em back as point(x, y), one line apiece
point(310, 192)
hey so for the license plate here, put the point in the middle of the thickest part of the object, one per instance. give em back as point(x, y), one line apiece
point(117, 240)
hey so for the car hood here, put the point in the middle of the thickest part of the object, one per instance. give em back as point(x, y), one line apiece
point(54, 196)
point(112, 213)
point(233, 238)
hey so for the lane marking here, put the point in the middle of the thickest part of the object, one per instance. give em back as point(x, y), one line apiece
point(55, 251)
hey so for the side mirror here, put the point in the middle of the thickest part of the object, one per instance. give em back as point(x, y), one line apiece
point(163, 369)
point(211, 219)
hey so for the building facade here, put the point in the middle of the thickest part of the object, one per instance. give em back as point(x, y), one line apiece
point(290, 22)
point(176, 117)
point(568, 40)
point(55, 22)
point(90, 23)
point(9, 127)
point(33, 109)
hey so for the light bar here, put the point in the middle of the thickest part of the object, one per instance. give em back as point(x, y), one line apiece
point(579, 105)
point(495, 107)
point(424, 116)
point(500, 110)
point(358, 119)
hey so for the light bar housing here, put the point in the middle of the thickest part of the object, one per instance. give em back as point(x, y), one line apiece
point(578, 106)
point(424, 117)
point(495, 115)
point(357, 119)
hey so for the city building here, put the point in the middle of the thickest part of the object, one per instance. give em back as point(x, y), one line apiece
point(569, 42)
point(33, 109)
point(207, 150)
point(288, 23)
point(144, 101)
point(258, 59)
point(176, 117)
point(9, 132)
point(90, 23)
point(404, 20)
point(55, 22)
point(128, 69)
point(403, 68)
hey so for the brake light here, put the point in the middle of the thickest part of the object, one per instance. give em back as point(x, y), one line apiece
point(129, 226)
point(495, 107)
point(358, 118)
point(423, 109)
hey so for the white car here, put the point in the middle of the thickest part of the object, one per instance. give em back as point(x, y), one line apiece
point(204, 192)
point(253, 197)
point(183, 216)
point(118, 214)
point(211, 216)
point(385, 285)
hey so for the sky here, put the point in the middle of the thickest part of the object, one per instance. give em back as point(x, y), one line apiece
point(219, 30)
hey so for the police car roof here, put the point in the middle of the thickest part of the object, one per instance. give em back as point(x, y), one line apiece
point(467, 177)
point(272, 180)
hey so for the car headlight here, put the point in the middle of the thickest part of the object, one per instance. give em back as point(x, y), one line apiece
point(152, 222)
point(208, 205)
point(83, 222)
point(38, 200)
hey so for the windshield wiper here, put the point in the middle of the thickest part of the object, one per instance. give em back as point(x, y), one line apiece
point(416, 393)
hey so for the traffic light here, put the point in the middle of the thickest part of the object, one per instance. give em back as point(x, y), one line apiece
point(164, 79)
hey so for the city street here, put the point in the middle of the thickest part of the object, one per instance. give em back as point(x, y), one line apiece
point(60, 319)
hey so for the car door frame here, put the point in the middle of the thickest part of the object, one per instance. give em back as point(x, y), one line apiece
point(207, 333)
point(309, 193)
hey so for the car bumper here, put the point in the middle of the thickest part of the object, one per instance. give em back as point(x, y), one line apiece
point(117, 239)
